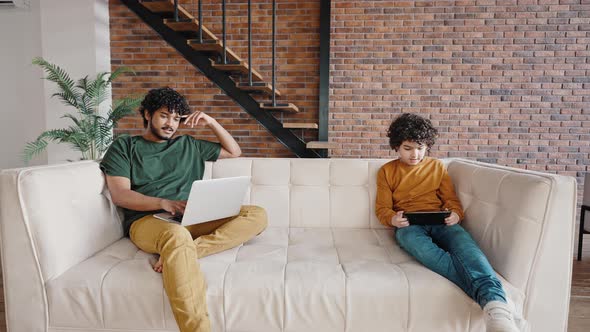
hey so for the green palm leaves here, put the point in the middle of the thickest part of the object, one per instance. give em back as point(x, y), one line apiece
point(90, 132)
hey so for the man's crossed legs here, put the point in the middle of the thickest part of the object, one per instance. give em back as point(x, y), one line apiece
point(179, 247)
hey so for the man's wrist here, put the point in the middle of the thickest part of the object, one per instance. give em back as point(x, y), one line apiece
point(212, 122)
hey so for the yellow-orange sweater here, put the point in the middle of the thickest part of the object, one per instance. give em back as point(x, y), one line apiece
point(423, 187)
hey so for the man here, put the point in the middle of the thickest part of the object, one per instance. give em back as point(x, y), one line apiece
point(152, 172)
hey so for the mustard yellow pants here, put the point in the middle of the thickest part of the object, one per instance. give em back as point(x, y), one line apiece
point(179, 247)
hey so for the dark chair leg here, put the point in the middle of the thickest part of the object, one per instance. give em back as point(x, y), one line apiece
point(580, 236)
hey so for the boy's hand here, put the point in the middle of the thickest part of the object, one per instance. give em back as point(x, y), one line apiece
point(452, 219)
point(399, 221)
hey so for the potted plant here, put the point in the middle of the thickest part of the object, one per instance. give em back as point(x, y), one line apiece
point(90, 133)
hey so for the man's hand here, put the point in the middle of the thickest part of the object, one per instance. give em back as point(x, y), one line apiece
point(173, 207)
point(453, 219)
point(197, 118)
point(399, 221)
point(229, 146)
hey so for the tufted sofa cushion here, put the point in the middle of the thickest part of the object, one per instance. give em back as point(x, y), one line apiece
point(287, 279)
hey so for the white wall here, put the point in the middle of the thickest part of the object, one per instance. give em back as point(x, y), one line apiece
point(21, 91)
point(73, 34)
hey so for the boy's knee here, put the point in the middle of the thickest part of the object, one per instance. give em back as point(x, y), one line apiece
point(400, 236)
point(404, 235)
point(458, 232)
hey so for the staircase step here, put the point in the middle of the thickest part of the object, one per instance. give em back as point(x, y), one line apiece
point(321, 145)
point(207, 45)
point(237, 67)
point(300, 125)
point(192, 25)
point(290, 108)
point(261, 87)
point(166, 6)
point(215, 46)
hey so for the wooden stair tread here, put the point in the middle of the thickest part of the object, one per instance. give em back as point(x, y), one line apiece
point(291, 108)
point(321, 145)
point(300, 125)
point(262, 87)
point(192, 25)
point(166, 6)
point(240, 67)
point(206, 46)
point(216, 46)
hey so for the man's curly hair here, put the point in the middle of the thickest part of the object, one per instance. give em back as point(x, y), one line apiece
point(158, 98)
point(413, 128)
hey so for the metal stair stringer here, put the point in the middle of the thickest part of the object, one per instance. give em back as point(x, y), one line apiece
point(223, 81)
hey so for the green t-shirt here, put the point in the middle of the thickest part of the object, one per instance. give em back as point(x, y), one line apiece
point(164, 170)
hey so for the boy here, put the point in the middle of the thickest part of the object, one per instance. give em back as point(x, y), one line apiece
point(416, 183)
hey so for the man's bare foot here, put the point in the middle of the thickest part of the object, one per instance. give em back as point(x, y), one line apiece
point(158, 266)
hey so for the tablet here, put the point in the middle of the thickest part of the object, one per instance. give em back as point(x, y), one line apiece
point(427, 218)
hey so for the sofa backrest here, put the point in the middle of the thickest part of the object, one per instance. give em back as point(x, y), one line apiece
point(337, 193)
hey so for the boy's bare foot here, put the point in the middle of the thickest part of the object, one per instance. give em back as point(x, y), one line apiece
point(158, 265)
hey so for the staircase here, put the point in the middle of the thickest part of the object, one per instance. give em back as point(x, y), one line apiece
point(205, 51)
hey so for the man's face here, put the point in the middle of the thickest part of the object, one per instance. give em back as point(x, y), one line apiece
point(411, 153)
point(164, 124)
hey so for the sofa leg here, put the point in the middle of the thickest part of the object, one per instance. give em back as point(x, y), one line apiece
point(581, 232)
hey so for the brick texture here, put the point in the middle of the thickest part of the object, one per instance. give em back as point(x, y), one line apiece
point(505, 82)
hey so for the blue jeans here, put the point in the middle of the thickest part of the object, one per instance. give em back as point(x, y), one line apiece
point(451, 252)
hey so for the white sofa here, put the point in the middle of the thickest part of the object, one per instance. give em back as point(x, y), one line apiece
point(324, 264)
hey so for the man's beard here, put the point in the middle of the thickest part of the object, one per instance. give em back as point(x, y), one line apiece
point(154, 131)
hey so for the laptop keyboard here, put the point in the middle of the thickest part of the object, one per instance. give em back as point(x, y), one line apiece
point(177, 218)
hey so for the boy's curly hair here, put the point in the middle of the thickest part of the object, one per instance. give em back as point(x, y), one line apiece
point(411, 127)
point(158, 98)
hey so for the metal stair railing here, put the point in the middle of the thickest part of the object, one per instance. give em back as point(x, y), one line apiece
point(200, 17)
point(250, 83)
point(224, 57)
point(250, 42)
point(274, 32)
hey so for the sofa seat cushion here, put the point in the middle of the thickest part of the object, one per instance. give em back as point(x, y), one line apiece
point(286, 279)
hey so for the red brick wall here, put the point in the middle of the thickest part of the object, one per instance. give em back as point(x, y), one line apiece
point(135, 45)
point(504, 81)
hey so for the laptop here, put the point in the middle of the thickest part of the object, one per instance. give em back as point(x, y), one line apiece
point(211, 200)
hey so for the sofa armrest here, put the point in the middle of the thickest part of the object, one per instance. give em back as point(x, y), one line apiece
point(51, 218)
point(24, 292)
point(524, 222)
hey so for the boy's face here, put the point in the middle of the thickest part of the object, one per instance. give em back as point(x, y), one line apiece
point(411, 153)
